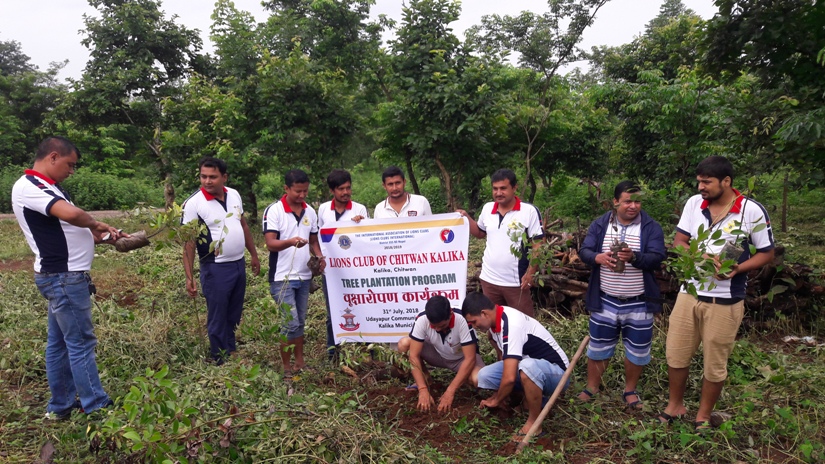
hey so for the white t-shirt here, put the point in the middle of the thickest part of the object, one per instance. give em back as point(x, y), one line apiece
point(290, 263)
point(498, 265)
point(57, 245)
point(448, 346)
point(216, 215)
point(328, 215)
point(416, 205)
point(745, 215)
point(519, 336)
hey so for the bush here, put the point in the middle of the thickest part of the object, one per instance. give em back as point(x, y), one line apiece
point(8, 176)
point(98, 191)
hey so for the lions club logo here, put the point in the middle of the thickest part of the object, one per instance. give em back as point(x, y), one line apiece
point(447, 235)
point(344, 242)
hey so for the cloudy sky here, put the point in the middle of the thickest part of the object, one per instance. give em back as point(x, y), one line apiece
point(48, 30)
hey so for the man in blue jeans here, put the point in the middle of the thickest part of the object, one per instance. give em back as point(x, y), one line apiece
point(529, 357)
point(289, 225)
point(62, 238)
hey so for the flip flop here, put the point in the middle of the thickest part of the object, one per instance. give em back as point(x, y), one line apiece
point(702, 427)
point(636, 405)
point(589, 394)
point(411, 387)
point(665, 418)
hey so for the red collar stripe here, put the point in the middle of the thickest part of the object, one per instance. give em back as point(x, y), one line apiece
point(287, 209)
point(499, 313)
point(516, 207)
point(737, 204)
point(47, 179)
point(332, 205)
point(208, 196)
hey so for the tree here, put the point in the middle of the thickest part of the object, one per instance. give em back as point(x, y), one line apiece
point(671, 40)
point(27, 96)
point(782, 44)
point(138, 59)
point(443, 107)
point(544, 44)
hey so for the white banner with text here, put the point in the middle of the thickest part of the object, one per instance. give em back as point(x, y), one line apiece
point(381, 272)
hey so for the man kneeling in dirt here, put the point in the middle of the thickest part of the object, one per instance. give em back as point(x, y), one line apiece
point(442, 338)
point(530, 360)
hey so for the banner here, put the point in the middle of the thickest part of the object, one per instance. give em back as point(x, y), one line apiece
point(381, 272)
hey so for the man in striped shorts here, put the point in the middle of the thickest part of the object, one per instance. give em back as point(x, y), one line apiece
point(622, 302)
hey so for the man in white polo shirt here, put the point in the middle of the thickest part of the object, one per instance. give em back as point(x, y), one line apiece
point(399, 203)
point(62, 237)
point(712, 318)
point(506, 279)
point(340, 208)
point(530, 359)
point(289, 225)
point(220, 255)
point(441, 337)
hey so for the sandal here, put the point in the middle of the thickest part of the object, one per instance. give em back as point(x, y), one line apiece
point(588, 393)
point(665, 418)
point(702, 427)
point(411, 387)
point(637, 405)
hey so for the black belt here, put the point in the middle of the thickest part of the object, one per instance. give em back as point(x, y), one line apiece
point(625, 300)
point(719, 301)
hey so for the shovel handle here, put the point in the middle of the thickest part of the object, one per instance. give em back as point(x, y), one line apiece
point(555, 396)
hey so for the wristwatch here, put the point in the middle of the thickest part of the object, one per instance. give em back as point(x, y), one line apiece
point(632, 257)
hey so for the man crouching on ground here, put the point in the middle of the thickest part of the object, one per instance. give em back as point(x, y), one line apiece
point(442, 338)
point(529, 357)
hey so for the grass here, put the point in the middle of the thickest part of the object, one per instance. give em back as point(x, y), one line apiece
point(172, 405)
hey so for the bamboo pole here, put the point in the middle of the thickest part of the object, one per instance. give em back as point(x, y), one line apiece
point(555, 396)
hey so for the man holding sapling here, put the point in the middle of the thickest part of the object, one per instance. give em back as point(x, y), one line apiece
point(624, 248)
point(62, 238)
point(441, 337)
point(340, 208)
point(727, 224)
point(505, 278)
point(290, 225)
point(220, 250)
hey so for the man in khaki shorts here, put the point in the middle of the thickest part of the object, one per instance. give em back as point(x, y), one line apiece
point(441, 337)
point(714, 316)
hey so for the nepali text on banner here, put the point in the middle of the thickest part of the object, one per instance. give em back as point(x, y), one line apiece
point(381, 272)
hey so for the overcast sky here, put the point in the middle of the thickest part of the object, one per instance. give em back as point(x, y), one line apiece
point(48, 30)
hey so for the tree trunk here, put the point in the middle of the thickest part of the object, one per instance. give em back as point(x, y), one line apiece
point(252, 199)
point(531, 180)
point(410, 173)
point(448, 185)
point(785, 204)
point(168, 191)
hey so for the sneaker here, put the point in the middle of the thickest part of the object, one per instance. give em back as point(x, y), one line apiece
point(57, 417)
point(63, 416)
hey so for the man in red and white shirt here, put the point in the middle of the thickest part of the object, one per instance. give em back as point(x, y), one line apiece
point(530, 359)
point(289, 226)
point(505, 278)
point(340, 208)
point(441, 337)
point(220, 254)
point(62, 238)
point(713, 316)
